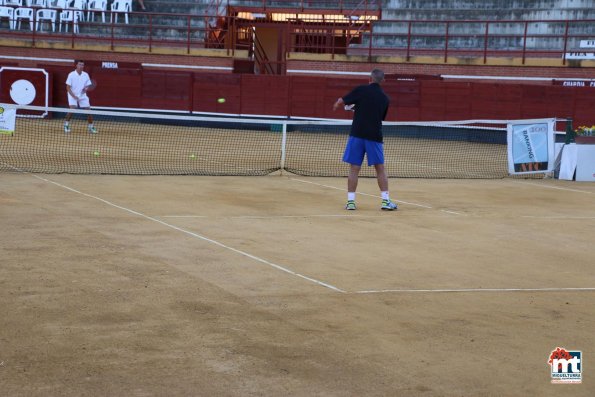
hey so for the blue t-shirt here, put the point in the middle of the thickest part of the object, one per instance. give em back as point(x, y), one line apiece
point(371, 106)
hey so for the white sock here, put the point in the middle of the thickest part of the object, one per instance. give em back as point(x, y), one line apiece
point(350, 196)
point(385, 195)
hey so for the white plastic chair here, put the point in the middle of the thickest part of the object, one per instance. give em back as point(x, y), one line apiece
point(36, 3)
point(14, 3)
point(8, 12)
point(45, 15)
point(58, 4)
point(23, 13)
point(70, 17)
point(120, 7)
point(78, 5)
point(96, 6)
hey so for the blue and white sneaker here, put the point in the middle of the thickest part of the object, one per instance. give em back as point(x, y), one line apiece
point(92, 129)
point(388, 205)
point(66, 128)
point(350, 205)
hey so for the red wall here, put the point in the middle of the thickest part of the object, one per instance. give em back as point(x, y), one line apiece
point(313, 96)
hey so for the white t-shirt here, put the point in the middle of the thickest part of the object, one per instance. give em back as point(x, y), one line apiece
point(77, 82)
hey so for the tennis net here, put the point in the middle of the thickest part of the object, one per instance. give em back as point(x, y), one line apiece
point(154, 144)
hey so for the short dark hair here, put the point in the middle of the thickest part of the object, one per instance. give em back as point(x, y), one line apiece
point(377, 76)
point(76, 61)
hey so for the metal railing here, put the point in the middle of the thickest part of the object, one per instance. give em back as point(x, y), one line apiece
point(149, 30)
point(400, 38)
point(478, 39)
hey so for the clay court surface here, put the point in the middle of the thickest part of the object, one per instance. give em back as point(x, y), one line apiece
point(265, 286)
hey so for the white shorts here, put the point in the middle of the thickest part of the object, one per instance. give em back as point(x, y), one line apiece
point(82, 103)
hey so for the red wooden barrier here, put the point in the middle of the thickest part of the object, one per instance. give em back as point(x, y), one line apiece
point(313, 96)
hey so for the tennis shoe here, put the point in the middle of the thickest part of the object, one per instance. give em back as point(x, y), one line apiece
point(350, 205)
point(66, 129)
point(92, 130)
point(388, 205)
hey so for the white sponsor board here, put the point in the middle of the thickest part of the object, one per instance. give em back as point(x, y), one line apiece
point(581, 55)
point(587, 43)
point(531, 146)
point(7, 119)
point(585, 163)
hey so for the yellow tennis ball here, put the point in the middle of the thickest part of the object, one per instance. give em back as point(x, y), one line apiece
point(221, 100)
point(192, 156)
point(96, 153)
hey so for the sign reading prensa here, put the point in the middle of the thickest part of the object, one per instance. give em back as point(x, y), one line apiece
point(109, 65)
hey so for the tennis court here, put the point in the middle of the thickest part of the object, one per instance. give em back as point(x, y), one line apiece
point(265, 286)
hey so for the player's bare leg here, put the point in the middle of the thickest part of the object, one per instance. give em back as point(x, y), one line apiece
point(67, 121)
point(382, 178)
point(352, 179)
point(91, 127)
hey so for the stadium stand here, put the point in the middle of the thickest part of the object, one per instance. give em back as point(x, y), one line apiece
point(509, 21)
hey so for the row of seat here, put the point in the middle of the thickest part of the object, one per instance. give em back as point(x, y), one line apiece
point(69, 11)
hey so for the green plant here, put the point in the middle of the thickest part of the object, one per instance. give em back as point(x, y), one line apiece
point(585, 131)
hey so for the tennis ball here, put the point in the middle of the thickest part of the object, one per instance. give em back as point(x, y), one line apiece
point(193, 156)
point(221, 100)
point(96, 153)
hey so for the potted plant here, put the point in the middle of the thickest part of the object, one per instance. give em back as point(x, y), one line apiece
point(585, 135)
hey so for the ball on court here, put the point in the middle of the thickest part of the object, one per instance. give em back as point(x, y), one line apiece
point(192, 156)
point(221, 100)
point(96, 153)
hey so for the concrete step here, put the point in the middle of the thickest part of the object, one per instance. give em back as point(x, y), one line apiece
point(485, 4)
point(516, 14)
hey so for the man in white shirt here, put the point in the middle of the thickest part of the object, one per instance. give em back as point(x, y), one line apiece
point(77, 85)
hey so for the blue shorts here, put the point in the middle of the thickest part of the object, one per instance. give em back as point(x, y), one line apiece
point(357, 147)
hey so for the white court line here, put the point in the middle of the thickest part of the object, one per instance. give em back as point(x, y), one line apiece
point(383, 291)
point(452, 212)
point(196, 235)
point(558, 217)
point(553, 187)
point(183, 216)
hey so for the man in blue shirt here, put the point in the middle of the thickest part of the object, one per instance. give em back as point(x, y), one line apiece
point(370, 104)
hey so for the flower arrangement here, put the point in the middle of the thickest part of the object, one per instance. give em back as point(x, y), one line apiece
point(585, 131)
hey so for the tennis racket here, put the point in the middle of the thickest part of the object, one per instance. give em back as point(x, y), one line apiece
point(92, 86)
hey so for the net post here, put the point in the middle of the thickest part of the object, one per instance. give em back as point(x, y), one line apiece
point(570, 134)
point(283, 147)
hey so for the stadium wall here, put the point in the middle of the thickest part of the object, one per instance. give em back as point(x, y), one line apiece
point(310, 87)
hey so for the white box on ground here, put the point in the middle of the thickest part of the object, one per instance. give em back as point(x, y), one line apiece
point(568, 161)
point(585, 164)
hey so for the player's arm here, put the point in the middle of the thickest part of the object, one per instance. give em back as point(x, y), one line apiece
point(69, 90)
point(339, 103)
point(350, 100)
point(385, 113)
point(386, 110)
point(87, 85)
